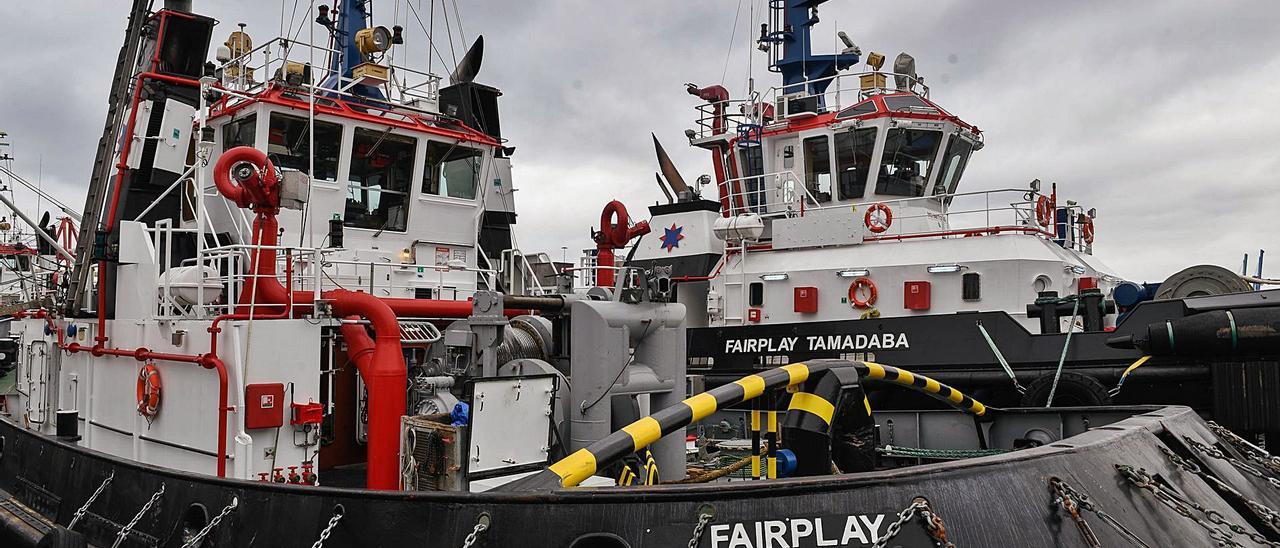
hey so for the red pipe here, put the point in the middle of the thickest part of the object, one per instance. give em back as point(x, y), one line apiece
point(207, 361)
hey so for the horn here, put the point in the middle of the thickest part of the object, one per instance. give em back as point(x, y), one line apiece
point(663, 187)
point(44, 220)
point(669, 171)
point(469, 66)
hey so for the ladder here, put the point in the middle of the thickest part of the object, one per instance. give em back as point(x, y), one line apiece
point(103, 164)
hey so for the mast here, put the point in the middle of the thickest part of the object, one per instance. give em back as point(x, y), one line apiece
point(792, 22)
point(103, 167)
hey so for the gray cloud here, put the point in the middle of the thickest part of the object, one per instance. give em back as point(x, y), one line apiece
point(1155, 113)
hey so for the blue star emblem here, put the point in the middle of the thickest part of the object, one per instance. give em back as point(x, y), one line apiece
point(671, 237)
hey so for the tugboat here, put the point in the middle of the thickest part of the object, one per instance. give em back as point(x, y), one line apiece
point(279, 327)
point(841, 231)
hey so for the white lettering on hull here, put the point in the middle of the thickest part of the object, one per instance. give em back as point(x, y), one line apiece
point(818, 343)
point(849, 531)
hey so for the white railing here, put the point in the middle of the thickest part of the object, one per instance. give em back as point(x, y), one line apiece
point(301, 269)
point(779, 194)
point(961, 214)
point(843, 90)
point(409, 91)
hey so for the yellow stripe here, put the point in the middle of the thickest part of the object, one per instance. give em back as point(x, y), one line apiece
point(867, 403)
point(773, 467)
point(1135, 365)
point(643, 432)
point(755, 466)
point(978, 408)
point(755, 420)
point(956, 396)
point(702, 405)
point(752, 386)
point(817, 405)
point(932, 385)
point(798, 372)
point(906, 377)
point(874, 370)
point(773, 420)
point(575, 468)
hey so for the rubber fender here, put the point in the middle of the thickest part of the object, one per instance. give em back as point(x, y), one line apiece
point(1074, 390)
point(61, 537)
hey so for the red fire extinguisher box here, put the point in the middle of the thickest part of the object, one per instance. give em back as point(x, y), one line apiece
point(263, 405)
point(915, 295)
point(806, 300)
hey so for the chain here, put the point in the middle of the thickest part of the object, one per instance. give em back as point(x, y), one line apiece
point(896, 527)
point(1241, 465)
point(1067, 503)
point(1271, 517)
point(195, 541)
point(333, 521)
point(703, 519)
point(940, 454)
point(1249, 450)
point(933, 524)
point(482, 525)
point(1139, 477)
point(80, 513)
point(1069, 495)
point(124, 532)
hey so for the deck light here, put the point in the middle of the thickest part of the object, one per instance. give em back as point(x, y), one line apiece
point(373, 40)
point(944, 268)
point(853, 273)
point(774, 277)
point(1035, 185)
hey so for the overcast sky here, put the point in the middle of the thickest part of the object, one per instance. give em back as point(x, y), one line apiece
point(1159, 114)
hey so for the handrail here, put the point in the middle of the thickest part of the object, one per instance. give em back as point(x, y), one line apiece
point(583, 463)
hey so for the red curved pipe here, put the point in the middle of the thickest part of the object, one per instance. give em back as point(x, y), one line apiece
point(260, 192)
point(614, 235)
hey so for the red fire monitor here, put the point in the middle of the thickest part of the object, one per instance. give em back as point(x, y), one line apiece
point(264, 405)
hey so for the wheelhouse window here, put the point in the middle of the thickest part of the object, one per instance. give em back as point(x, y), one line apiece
point(752, 162)
point(906, 162)
point(289, 145)
point(452, 170)
point(378, 185)
point(239, 132)
point(817, 168)
point(853, 161)
point(954, 160)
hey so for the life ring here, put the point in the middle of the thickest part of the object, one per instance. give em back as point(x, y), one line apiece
point(871, 295)
point(1044, 211)
point(878, 226)
point(149, 391)
point(1086, 230)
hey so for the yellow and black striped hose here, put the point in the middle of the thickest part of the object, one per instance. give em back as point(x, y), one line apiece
point(582, 464)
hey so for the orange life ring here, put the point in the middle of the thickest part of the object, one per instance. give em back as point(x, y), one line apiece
point(1044, 211)
point(859, 284)
point(149, 391)
point(1086, 230)
point(876, 226)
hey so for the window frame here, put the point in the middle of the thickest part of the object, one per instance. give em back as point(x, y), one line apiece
point(932, 158)
point(341, 144)
point(406, 192)
point(816, 191)
point(871, 160)
point(429, 171)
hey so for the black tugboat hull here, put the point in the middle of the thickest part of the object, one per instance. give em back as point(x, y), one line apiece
point(1002, 500)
